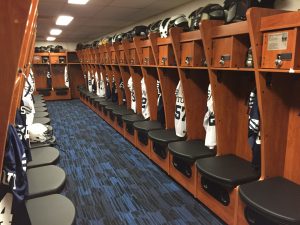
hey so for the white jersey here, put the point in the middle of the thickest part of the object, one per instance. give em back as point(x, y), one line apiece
point(131, 89)
point(101, 86)
point(145, 103)
point(89, 82)
point(66, 77)
point(28, 107)
point(97, 84)
point(209, 122)
point(31, 80)
point(180, 122)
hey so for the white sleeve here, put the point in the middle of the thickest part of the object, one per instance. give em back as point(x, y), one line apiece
point(145, 103)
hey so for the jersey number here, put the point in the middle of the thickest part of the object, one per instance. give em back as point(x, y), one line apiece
point(5, 209)
point(178, 110)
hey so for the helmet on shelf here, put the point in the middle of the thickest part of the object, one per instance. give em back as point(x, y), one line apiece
point(208, 12)
point(179, 21)
point(154, 27)
point(163, 28)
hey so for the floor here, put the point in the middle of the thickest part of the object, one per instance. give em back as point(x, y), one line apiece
point(111, 182)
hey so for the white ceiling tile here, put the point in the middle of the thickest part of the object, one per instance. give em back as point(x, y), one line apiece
point(97, 17)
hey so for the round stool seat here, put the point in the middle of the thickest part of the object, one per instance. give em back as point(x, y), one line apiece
point(39, 104)
point(147, 125)
point(132, 118)
point(40, 109)
point(111, 107)
point(190, 150)
point(41, 114)
point(44, 121)
point(45, 180)
point(164, 136)
point(122, 111)
point(227, 170)
point(50, 210)
point(43, 156)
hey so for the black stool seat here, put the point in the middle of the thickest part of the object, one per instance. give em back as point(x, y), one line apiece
point(50, 210)
point(39, 104)
point(41, 114)
point(106, 102)
point(100, 99)
point(44, 121)
point(45, 180)
point(39, 100)
point(61, 88)
point(122, 111)
point(277, 199)
point(43, 156)
point(111, 107)
point(132, 118)
point(94, 96)
point(38, 97)
point(147, 125)
point(164, 136)
point(190, 150)
point(40, 109)
point(227, 170)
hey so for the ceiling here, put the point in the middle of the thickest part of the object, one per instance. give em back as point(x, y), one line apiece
point(97, 17)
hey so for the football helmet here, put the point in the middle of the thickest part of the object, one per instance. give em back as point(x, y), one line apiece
point(40, 133)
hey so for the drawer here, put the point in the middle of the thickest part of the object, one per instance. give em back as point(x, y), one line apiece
point(148, 58)
point(133, 57)
point(122, 57)
point(279, 49)
point(166, 55)
point(222, 52)
point(192, 54)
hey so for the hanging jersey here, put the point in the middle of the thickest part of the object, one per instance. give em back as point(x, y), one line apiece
point(145, 104)
point(121, 86)
point(114, 90)
point(14, 185)
point(94, 87)
point(180, 122)
point(89, 82)
point(131, 89)
point(85, 80)
point(97, 84)
point(107, 88)
point(101, 86)
point(209, 122)
point(66, 76)
point(254, 129)
point(31, 80)
point(160, 106)
point(22, 131)
point(49, 80)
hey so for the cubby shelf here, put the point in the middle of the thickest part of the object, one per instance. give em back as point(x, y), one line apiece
point(57, 73)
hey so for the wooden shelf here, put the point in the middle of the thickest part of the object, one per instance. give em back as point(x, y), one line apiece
point(234, 69)
point(279, 71)
point(193, 68)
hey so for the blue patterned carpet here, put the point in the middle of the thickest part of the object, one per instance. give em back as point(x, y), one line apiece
point(110, 182)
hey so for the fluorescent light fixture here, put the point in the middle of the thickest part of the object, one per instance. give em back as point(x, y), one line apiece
point(55, 32)
point(78, 2)
point(51, 38)
point(64, 20)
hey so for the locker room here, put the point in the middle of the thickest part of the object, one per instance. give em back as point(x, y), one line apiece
point(148, 112)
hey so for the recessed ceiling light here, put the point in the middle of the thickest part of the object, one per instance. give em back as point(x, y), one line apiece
point(55, 32)
point(78, 2)
point(64, 20)
point(51, 38)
